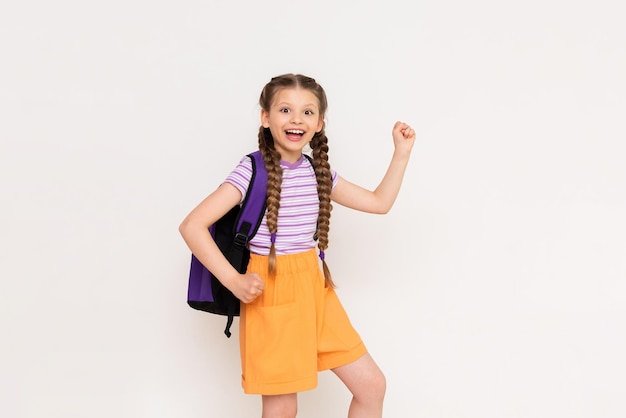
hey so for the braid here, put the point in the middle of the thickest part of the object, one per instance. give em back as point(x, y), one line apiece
point(274, 182)
point(319, 145)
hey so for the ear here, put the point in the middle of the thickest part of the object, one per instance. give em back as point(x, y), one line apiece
point(265, 119)
point(320, 124)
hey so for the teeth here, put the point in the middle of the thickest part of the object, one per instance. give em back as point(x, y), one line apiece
point(295, 131)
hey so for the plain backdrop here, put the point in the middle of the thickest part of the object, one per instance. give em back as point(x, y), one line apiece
point(494, 288)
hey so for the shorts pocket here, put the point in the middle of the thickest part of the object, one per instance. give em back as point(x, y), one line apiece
point(280, 344)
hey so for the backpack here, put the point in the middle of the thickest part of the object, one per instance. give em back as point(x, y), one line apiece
point(231, 233)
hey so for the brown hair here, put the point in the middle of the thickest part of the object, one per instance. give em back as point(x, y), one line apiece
point(319, 145)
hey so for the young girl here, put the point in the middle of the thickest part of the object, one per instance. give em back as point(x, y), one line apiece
point(292, 324)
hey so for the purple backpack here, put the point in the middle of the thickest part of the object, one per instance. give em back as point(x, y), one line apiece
point(231, 233)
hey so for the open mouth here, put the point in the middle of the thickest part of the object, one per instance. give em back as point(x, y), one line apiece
point(294, 134)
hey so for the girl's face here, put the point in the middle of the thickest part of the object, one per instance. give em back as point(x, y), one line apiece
point(293, 118)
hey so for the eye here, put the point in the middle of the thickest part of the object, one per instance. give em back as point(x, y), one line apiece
point(284, 110)
point(308, 112)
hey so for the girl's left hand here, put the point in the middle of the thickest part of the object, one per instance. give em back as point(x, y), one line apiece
point(403, 137)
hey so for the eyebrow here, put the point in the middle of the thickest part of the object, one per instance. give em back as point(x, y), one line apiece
point(289, 104)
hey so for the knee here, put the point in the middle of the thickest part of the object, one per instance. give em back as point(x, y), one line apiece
point(282, 413)
point(279, 407)
point(373, 390)
point(378, 387)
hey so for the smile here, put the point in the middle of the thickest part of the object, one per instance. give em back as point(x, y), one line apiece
point(294, 135)
point(294, 132)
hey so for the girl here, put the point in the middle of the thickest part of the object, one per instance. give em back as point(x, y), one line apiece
point(292, 324)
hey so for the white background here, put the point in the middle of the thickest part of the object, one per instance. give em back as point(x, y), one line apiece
point(495, 287)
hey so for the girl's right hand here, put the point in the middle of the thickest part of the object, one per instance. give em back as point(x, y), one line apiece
point(248, 287)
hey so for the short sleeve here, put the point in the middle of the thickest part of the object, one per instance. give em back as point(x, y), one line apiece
point(241, 175)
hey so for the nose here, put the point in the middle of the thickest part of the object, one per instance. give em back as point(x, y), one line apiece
point(295, 118)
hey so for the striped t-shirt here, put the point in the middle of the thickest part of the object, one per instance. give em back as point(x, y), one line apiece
point(299, 207)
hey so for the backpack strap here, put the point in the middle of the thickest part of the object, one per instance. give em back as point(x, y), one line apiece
point(253, 205)
point(248, 220)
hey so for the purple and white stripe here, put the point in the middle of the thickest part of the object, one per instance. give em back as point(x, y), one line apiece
point(299, 206)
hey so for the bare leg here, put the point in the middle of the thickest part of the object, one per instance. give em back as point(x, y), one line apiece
point(280, 406)
point(367, 383)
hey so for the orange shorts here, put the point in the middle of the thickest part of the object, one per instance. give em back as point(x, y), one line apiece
point(294, 329)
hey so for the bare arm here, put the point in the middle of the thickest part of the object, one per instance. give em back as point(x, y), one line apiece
point(383, 197)
point(194, 230)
